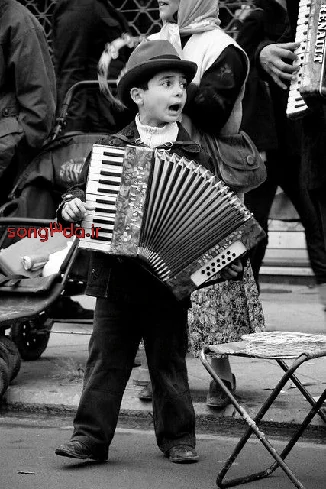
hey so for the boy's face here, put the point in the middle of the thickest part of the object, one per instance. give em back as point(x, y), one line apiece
point(164, 99)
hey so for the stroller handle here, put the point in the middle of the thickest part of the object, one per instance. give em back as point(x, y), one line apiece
point(94, 84)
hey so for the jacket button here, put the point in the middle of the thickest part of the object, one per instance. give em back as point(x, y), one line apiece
point(250, 160)
point(95, 273)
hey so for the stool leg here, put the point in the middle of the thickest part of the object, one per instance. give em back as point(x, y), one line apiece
point(254, 428)
point(305, 423)
point(301, 388)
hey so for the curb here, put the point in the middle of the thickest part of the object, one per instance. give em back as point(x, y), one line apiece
point(213, 424)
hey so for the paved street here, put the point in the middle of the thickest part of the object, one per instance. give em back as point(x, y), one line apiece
point(53, 385)
point(28, 461)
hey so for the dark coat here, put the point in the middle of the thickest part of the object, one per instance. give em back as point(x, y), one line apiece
point(81, 29)
point(211, 102)
point(310, 131)
point(121, 278)
point(264, 103)
point(27, 89)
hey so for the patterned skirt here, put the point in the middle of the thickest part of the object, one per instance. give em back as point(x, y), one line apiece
point(224, 312)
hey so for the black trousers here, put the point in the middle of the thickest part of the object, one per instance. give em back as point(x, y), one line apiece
point(286, 172)
point(118, 329)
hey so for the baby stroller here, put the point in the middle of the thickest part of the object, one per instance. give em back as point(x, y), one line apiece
point(25, 308)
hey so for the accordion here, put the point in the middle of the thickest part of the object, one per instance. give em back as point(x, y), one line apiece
point(175, 216)
point(309, 86)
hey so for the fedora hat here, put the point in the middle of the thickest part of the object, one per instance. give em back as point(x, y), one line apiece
point(148, 59)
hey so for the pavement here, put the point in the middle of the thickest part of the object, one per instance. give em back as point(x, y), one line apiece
point(52, 384)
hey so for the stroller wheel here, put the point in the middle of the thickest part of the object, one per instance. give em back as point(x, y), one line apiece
point(4, 377)
point(10, 354)
point(31, 338)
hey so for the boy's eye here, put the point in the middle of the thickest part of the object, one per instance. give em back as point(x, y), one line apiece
point(167, 83)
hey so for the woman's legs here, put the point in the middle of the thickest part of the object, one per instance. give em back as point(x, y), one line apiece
point(216, 398)
point(222, 367)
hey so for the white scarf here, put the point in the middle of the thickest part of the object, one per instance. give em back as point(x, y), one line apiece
point(172, 32)
point(194, 17)
point(157, 136)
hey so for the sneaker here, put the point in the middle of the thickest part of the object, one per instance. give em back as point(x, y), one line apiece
point(216, 397)
point(65, 308)
point(77, 449)
point(146, 394)
point(182, 454)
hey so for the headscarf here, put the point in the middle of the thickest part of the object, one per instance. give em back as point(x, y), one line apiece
point(196, 16)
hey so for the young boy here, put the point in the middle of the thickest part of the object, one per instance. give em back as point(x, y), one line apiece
point(131, 303)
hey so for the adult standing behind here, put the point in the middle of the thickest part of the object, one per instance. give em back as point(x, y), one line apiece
point(267, 120)
point(81, 29)
point(27, 91)
point(275, 60)
point(222, 312)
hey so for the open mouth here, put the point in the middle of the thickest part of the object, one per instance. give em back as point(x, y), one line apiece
point(175, 108)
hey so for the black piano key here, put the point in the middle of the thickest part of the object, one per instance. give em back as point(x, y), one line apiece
point(105, 211)
point(114, 184)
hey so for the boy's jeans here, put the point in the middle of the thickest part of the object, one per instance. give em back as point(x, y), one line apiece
point(118, 329)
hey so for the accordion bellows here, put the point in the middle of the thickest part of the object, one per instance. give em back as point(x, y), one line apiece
point(171, 213)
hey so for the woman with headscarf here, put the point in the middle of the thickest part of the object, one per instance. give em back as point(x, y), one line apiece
point(222, 312)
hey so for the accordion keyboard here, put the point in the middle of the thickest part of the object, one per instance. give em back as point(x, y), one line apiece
point(104, 181)
point(296, 105)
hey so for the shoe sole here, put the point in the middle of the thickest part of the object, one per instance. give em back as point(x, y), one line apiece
point(184, 460)
point(143, 398)
point(217, 406)
point(71, 454)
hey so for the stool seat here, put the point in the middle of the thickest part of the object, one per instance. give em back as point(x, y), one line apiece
point(274, 345)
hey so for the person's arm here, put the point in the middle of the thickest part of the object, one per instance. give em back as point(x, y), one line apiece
point(34, 79)
point(276, 58)
point(77, 191)
point(251, 32)
point(210, 103)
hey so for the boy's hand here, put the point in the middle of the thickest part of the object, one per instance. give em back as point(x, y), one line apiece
point(75, 210)
point(232, 271)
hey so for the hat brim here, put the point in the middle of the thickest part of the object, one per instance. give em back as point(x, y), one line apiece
point(149, 69)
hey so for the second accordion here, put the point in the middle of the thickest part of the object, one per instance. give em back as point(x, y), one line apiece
point(308, 87)
point(174, 215)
